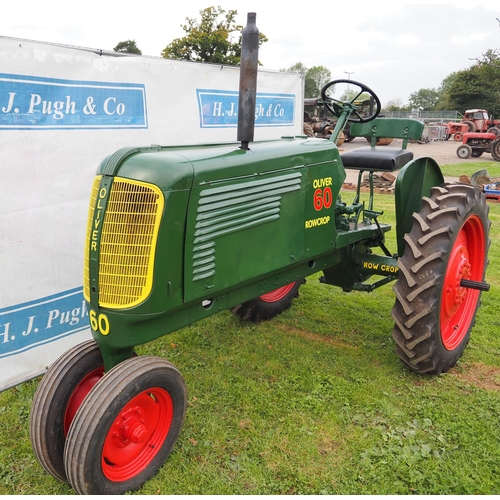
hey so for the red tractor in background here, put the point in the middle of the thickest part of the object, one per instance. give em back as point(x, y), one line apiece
point(476, 143)
point(475, 120)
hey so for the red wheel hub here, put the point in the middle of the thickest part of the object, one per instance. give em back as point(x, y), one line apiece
point(277, 294)
point(137, 434)
point(82, 389)
point(458, 304)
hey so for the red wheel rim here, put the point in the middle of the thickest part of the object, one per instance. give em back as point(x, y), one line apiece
point(277, 294)
point(82, 389)
point(458, 304)
point(137, 434)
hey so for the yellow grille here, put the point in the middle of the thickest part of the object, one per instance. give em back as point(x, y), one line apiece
point(128, 242)
point(86, 272)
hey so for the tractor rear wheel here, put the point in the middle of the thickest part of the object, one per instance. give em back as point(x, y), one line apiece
point(471, 125)
point(464, 151)
point(270, 304)
point(433, 312)
point(57, 400)
point(495, 149)
point(126, 427)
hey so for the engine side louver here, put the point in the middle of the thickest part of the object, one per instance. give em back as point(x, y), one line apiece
point(225, 210)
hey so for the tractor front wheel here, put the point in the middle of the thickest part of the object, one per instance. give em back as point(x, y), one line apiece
point(270, 304)
point(434, 313)
point(126, 427)
point(464, 151)
point(57, 399)
point(476, 153)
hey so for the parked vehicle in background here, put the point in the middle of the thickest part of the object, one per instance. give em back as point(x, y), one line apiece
point(476, 143)
point(474, 120)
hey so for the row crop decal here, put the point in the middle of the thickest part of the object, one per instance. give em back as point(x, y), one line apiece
point(29, 102)
point(219, 109)
point(41, 321)
point(322, 199)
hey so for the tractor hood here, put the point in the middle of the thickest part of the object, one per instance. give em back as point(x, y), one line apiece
point(177, 168)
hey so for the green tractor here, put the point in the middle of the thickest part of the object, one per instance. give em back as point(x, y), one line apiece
point(176, 234)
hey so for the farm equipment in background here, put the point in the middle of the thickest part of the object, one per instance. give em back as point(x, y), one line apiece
point(434, 132)
point(322, 122)
point(475, 120)
point(178, 233)
point(492, 191)
point(365, 107)
point(490, 186)
point(474, 144)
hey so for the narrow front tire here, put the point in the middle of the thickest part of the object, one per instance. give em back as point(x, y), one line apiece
point(57, 399)
point(126, 427)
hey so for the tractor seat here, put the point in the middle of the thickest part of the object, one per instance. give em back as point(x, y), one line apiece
point(373, 159)
point(382, 158)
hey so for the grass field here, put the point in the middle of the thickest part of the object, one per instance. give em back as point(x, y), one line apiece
point(313, 402)
point(456, 170)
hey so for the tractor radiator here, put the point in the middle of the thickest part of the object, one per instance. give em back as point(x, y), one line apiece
point(127, 242)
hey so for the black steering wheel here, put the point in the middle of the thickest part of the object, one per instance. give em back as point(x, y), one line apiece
point(356, 115)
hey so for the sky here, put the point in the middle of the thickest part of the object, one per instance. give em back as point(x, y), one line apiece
point(395, 48)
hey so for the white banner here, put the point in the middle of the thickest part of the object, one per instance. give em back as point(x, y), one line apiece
point(62, 110)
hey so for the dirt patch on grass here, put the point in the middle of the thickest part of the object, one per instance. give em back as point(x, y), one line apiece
point(480, 375)
point(317, 338)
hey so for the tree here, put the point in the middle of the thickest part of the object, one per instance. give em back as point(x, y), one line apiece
point(216, 38)
point(315, 78)
point(489, 58)
point(129, 47)
point(478, 86)
point(444, 92)
point(394, 105)
point(298, 67)
point(424, 99)
point(350, 95)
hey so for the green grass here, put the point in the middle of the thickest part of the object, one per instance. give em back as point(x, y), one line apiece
point(456, 170)
point(313, 402)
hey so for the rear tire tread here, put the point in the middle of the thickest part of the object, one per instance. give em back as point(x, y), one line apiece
point(423, 265)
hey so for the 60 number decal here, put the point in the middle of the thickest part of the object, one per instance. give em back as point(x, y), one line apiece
point(99, 323)
point(323, 198)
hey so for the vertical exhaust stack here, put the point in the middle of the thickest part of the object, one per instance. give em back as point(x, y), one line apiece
point(248, 81)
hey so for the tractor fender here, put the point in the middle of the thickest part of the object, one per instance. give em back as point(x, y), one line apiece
point(413, 182)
